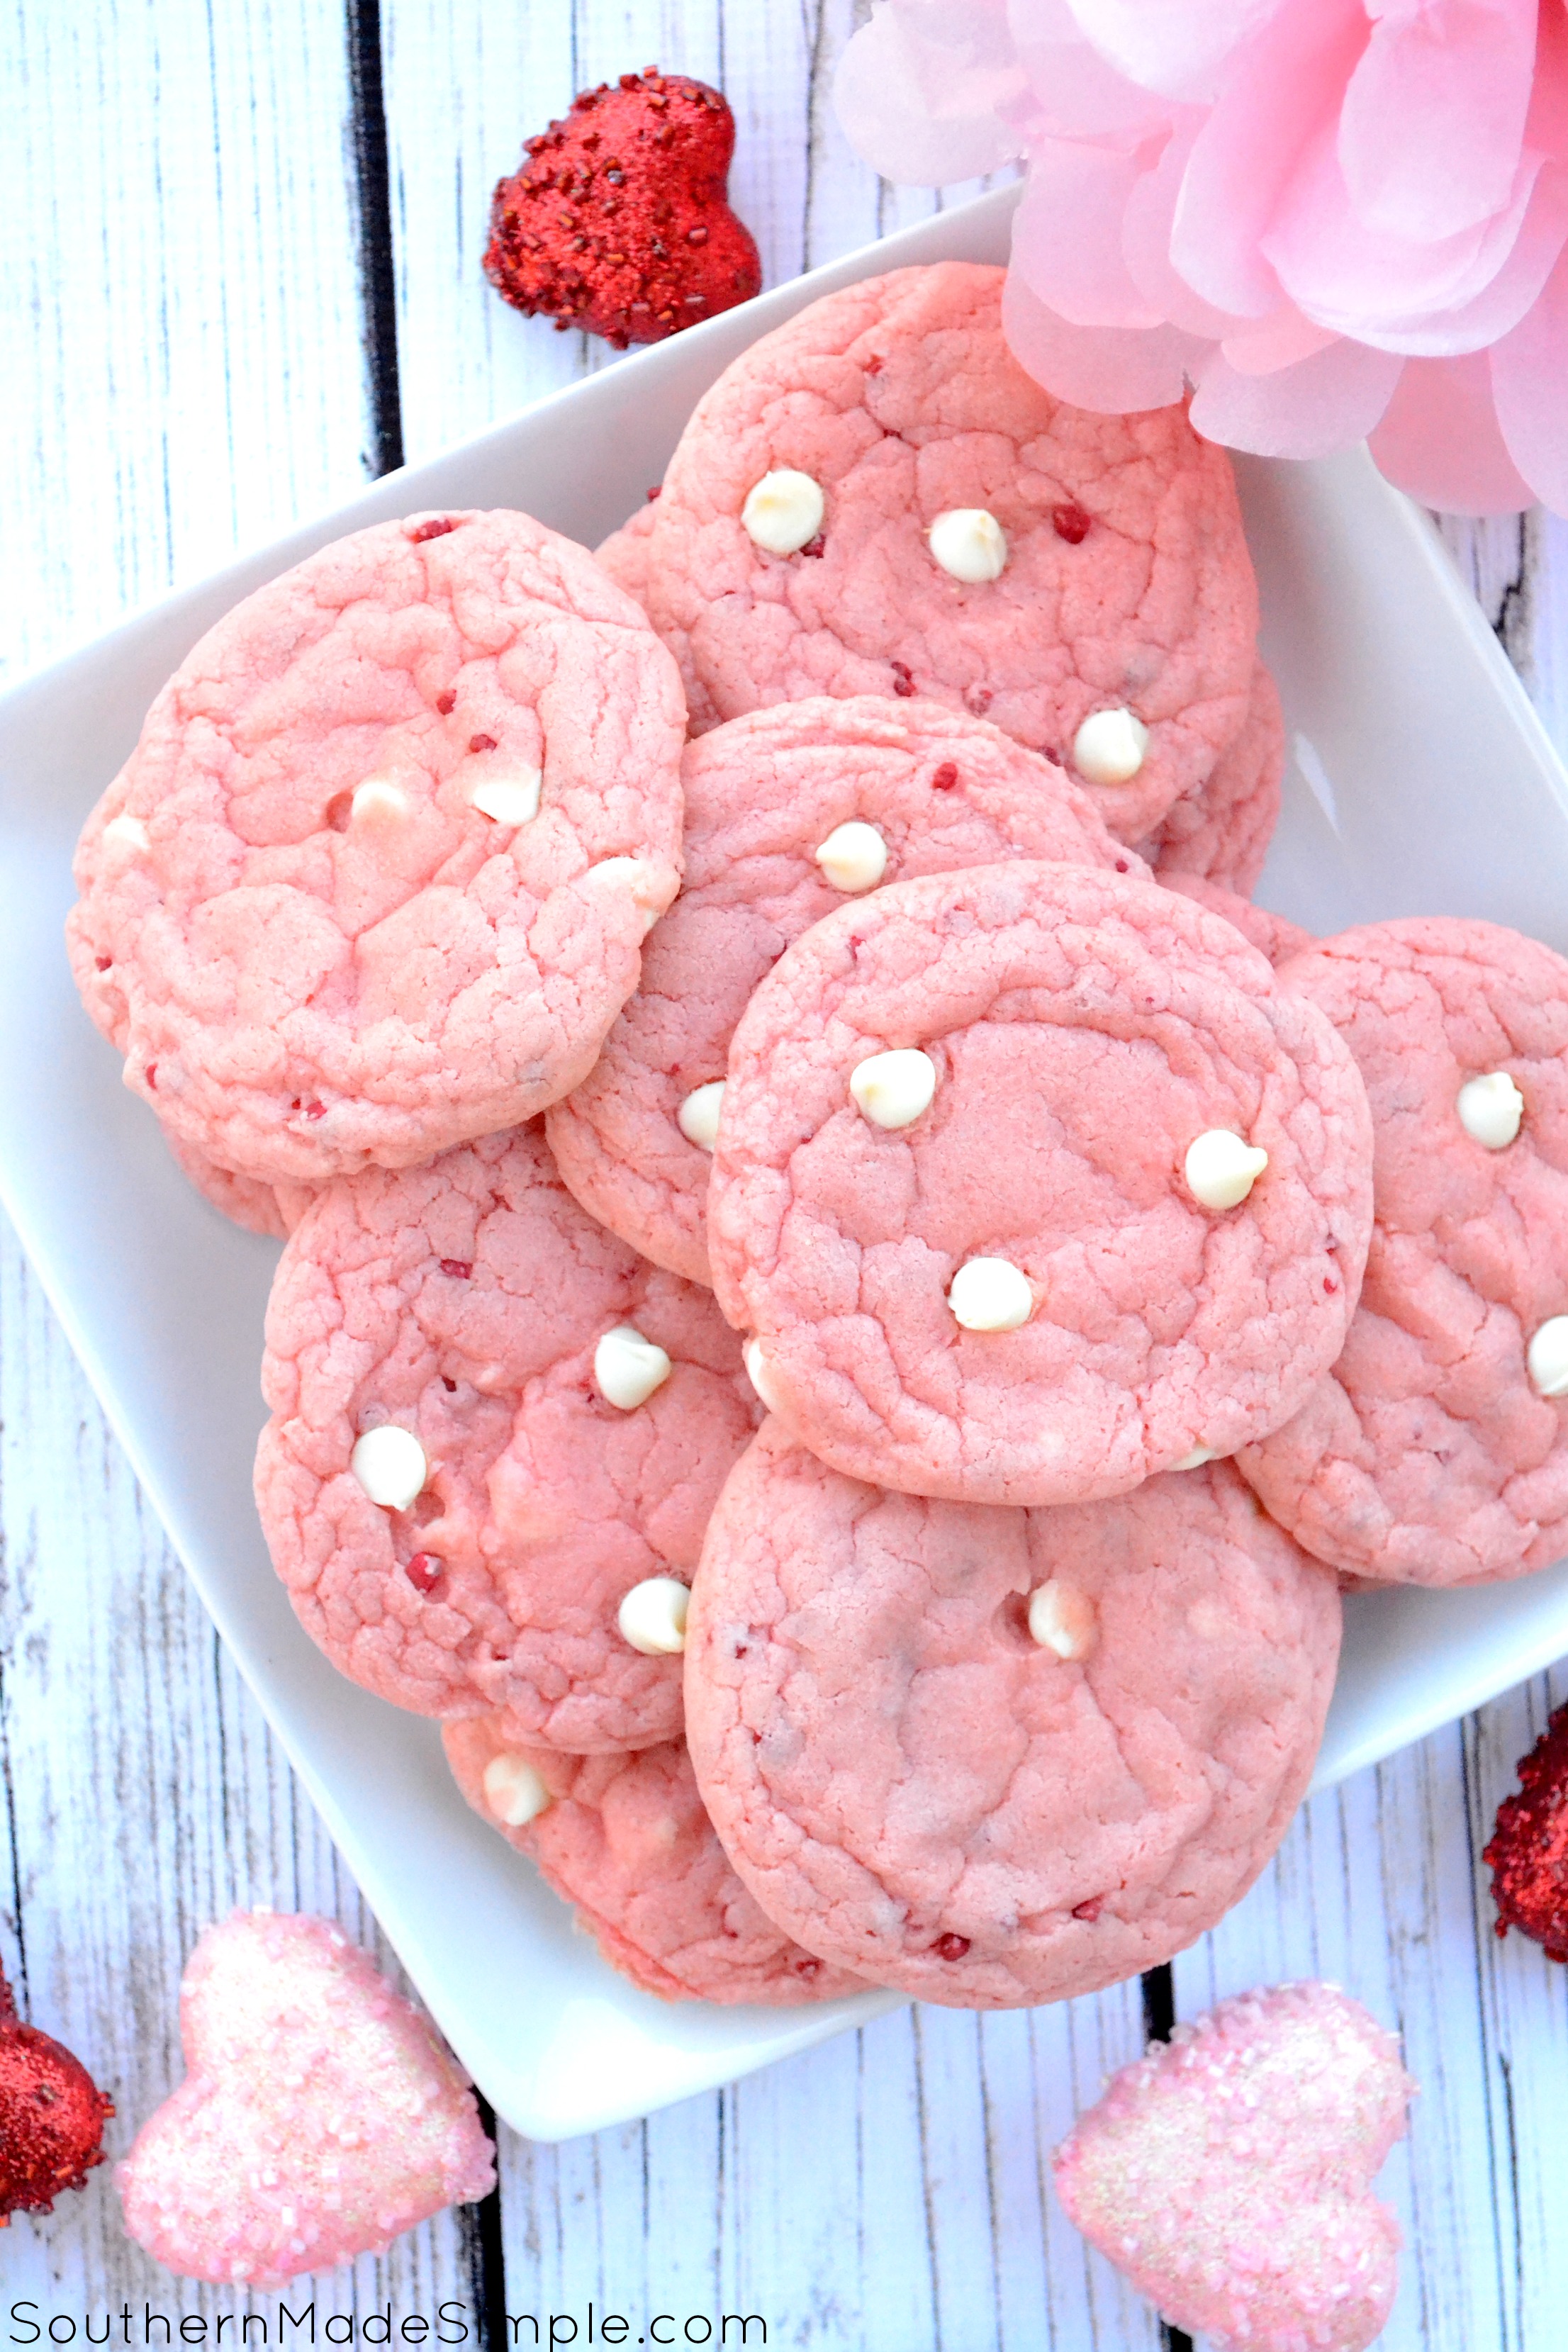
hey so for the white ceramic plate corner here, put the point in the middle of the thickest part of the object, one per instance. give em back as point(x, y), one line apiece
point(1403, 709)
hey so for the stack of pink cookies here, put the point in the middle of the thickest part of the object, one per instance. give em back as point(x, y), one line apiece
point(865, 1478)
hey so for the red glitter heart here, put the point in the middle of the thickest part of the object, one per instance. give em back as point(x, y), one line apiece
point(1528, 1848)
point(618, 220)
point(52, 2116)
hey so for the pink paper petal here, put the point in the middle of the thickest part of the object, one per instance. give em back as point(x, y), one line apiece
point(1172, 46)
point(1529, 388)
point(1146, 237)
point(1111, 370)
point(1257, 347)
point(1322, 404)
point(1282, 91)
point(1371, 285)
point(1067, 236)
point(1073, 92)
point(920, 111)
point(1440, 441)
point(1434, 116)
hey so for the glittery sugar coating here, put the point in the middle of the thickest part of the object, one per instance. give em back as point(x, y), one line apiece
point(1528, 1848)
point(617, 221)
point(1228, 2174)
point(320, 2116)
point(52, 2116)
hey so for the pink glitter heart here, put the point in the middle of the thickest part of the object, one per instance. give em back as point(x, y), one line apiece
point(320, 2115)
point(1229, 2173)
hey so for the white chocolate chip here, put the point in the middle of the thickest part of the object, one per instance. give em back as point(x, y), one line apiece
point(894, 1088)
point(854, 857)
point(698, 1117)
point(127, 833)
point(627, 1368)
point(1063, 1619)
point(651, 887)
point(991, 1293)
point(652, 1617)
point(756, 1365)
point(784, 512)
point(378, 796)
point(969, 544)
point(1222, 1168)
point(1547, 1357)
point(391, 1465)
point(1196, 1458)
point(1490, 1109)
point(509, 798)
point(514, 1791)
point(1110, 746)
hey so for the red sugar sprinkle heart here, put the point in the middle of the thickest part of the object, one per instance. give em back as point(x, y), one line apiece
point(52, 2116)
point(618, 220)
point(1528, 1848)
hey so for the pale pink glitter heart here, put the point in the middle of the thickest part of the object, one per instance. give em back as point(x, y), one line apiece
point(320, 2116)
point(1229, 2173)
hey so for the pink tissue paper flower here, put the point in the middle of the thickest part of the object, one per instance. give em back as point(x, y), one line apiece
point(1331, 219)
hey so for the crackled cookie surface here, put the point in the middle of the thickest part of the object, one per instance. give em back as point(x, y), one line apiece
point(492, 1422)
point(789, 812)
point(1275, 936)
point(1222, 831)
point(377, 875)
point(996, 1758)
point(1031, 1182)
point(627, 1840)
point(623, 555)
point(1436, 1451)
point(876, 499)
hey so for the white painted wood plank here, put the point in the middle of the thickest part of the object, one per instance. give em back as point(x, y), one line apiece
point(179, 278)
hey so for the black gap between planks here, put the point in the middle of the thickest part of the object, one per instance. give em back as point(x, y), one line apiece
point(1159, 2018)
point(378, 334)
point(372, 205)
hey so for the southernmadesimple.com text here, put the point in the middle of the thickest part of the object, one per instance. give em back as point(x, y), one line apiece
point(34, 2327)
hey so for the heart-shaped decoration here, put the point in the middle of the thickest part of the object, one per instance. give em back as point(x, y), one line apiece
point(320, 2115)
point(1529, 1847)
point(52, 2116)
point(618, 220)
point(1229, 2172)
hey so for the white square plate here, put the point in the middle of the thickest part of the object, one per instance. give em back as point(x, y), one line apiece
point(1434, 790)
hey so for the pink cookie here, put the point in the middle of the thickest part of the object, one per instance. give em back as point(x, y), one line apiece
point(559, 1417)
point(1071, 1268)
point(995, 1757)
point(1274, 936)
point(767, 799)
point(1230, 2173)
point(320, 2115)
point(970, 539)
point(377, 875)
point(1222, 831)
point(623, 555)
point(1435, 1452)
point(626, 1839)
point(271, 1209)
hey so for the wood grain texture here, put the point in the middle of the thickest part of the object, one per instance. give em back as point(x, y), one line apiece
point(889, 2190)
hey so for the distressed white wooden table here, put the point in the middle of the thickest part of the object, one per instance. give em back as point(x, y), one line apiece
point(241, 271)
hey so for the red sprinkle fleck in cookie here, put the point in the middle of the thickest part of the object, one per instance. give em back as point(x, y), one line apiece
point(1528, 1852)
point(618, 220)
